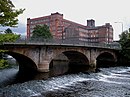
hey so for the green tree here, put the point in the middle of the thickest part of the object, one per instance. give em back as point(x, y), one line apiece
point(3, 64)
point(41, 32)
point(8, 31)
point(8, 17)
point(8, 13)
point(125, 44)
point(9, 37)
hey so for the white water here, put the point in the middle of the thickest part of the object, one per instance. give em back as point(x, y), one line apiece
point(118, 75)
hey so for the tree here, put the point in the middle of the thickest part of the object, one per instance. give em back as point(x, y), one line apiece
point(9, 37)
point(8, 31)
point(41, 32)
point(8, 15)
point(125, 44)
point(3, 64)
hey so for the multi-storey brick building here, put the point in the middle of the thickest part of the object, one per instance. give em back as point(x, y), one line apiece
point(68, 30)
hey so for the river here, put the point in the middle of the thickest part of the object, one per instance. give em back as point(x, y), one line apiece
point(109, 82)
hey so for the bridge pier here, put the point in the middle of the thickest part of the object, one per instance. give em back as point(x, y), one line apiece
point(92, 65)
point(44, 67)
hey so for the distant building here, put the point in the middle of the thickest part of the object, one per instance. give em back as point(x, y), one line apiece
point(68, 30)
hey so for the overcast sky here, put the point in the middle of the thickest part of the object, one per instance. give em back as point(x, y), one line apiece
point(102, 11)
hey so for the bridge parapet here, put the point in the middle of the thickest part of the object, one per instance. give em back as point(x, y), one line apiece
point(112, 45)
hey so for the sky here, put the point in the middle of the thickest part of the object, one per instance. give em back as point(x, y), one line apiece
point(102, 11)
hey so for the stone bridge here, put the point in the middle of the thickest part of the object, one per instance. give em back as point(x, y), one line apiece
point(38, 57)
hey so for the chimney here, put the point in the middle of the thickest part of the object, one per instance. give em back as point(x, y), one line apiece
point(91, 23)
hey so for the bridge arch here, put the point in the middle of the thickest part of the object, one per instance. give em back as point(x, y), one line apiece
point(77, 61)
point(105, 59)
point(76, 57)
point(25, 63)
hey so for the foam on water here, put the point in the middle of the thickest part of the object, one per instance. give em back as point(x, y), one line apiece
point(115, 76)
point(35, 88)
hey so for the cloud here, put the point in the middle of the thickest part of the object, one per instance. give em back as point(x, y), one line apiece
point(20, 29)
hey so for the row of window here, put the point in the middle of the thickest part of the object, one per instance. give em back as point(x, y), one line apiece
point(39, 21)
point(32, 26)
point(91, 39)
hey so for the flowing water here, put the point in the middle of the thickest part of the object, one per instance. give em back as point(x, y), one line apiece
point(109, 82)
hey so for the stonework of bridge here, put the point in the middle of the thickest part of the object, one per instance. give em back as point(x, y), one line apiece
point(39, 57)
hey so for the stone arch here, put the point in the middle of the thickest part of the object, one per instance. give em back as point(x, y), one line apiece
point(58, 65)
point(76, 57)
point(105, 59)
point(76, 60)
point(58, 57)
point(110, 52)
point(25, 63)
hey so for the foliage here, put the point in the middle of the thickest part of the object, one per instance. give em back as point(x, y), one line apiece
point(8, 31)
point(6, 62)
point(3, 64)
point(10, 37)
point(8, 15)
point(125, 43)
point(2, 51)
point(41, 32)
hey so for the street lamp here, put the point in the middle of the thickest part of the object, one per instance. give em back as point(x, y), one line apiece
point(121, 24)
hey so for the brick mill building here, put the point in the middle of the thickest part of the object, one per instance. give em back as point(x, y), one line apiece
point(65, 29)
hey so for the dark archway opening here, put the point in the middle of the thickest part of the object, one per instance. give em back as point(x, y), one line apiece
point(59, 65)
point(26, 65)
point(26, 68)
point(105, 60)
point(69, 62)
point(78, 62)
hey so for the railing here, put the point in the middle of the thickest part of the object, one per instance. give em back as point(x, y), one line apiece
point(37, 41)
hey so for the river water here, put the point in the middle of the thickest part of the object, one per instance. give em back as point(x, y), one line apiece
point(109, 82)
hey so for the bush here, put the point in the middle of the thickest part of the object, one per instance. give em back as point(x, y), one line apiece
point(3, 64)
